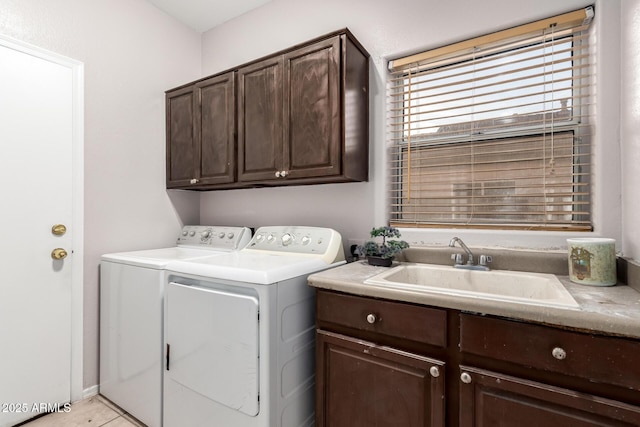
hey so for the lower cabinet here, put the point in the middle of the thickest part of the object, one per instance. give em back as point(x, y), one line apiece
point(491, 399)
point(362, 384)
point(387, 363)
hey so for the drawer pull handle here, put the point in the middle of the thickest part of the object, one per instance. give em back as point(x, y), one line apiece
point(371, 318)
point(465, 378)
point(434, 371)
point(559, 353)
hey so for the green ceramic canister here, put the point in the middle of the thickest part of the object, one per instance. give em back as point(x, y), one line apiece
point(592, 261)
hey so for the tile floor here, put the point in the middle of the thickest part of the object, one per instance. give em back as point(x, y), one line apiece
point(94, 411)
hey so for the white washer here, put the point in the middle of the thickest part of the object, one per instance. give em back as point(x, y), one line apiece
point(131, 316)
point(239, 332)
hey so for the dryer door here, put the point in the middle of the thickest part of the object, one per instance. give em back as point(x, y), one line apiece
point(213, 339)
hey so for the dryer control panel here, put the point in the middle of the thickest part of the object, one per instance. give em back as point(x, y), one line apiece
point(216, 237)
point(300, 240)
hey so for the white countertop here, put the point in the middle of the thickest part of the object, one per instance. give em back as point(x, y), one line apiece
point(611, 310)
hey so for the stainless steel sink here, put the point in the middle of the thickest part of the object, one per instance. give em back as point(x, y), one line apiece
point(500, 285)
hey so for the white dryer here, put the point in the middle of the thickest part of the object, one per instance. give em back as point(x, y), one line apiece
point(239, 332)
point(131, 316)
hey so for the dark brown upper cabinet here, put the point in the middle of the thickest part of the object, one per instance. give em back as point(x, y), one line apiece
point(302, 118)
point(201, 147)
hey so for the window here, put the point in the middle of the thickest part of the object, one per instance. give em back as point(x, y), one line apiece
point(495, 132)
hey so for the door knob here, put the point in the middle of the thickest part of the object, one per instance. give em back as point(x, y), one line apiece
point(58, 253)
point(58, 229)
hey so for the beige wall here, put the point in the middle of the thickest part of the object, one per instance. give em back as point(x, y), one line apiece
point(132, 53)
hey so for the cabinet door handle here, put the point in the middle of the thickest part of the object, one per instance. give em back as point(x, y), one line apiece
point(284, 174)
point(559, 353)
point(465, 378)
point(193, 181)
point(277, 174)
point(371, 318)
point(434, 371)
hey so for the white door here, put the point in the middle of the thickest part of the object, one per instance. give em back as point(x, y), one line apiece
point(35, 194)
point(213, 346)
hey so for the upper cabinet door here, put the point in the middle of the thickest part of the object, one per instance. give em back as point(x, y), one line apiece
point(181, 158)
point(312, 110)
point(215, 128)
point(260, 135)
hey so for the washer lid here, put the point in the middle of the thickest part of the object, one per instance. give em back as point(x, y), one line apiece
point(159, 258)
point(262, 268)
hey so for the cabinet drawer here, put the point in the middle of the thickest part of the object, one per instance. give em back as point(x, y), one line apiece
point(601, 359)
point(411, 322)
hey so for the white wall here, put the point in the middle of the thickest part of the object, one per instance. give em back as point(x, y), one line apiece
point(132, 53)
point(630, 132)
point(390, 29)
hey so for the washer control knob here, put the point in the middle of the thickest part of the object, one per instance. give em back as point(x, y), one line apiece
point(221, 235)
point(206, 234)
point(271, 238)
point(230, 235)
point(287, 239)
point(184, 233)
point(259, 238)
point(306, 240)
point(192, 233)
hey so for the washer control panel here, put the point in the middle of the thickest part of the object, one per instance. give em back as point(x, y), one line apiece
point(319, 241)
point(218, 237)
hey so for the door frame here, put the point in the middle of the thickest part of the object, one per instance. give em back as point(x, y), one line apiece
point(77, 270)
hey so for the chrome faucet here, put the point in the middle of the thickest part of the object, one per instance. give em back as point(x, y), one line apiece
point(458, 240)
point(484, 259)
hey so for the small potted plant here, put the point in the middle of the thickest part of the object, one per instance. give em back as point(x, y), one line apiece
point(381, 254)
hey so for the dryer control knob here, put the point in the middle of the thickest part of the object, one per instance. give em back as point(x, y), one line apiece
point(306, 240)
point(271, 238)
point(230, 235)
point(206, 234)
point(221, 235)
point(287, 239)
point(192, 233)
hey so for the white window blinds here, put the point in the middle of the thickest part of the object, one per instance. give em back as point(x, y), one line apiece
point(495, 132)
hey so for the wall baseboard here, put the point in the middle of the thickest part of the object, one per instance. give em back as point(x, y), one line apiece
point(91, 391)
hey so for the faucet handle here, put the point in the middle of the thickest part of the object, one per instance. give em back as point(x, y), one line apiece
point(457, 258)
point(485, 259)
